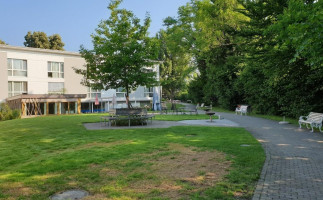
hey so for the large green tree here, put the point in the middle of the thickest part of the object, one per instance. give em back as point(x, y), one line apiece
point(215, 47)
point(40, 40)
point(176, 59)
point(2, 42)
point(282, 69)
point(121, 53)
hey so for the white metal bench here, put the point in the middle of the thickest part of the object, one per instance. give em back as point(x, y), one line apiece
point(242, 109)
point(313, 119)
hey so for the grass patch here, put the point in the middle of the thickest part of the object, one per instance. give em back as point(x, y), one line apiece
point(275, 118)
point(181, 117)
point(177, 105)
point(271, 117)
point(45, 155)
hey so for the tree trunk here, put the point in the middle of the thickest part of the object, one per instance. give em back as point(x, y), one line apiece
point(127, 98)
point(173, 102)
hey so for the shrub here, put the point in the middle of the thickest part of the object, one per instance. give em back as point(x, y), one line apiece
point(6, 113)
point(16, 114)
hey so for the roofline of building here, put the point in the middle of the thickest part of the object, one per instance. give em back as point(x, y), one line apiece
point(46, 96)
point(39, 50)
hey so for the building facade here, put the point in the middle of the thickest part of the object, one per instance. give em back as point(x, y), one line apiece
point(33, 71)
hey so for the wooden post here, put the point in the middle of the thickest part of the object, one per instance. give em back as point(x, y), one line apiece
point(23, 109)
point(47, 108)
point(78, 106)
point(58, 108)
point(36, 107)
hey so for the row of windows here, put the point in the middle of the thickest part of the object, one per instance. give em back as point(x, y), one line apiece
point(120, 92)
point(18, 67)
point(20, 87)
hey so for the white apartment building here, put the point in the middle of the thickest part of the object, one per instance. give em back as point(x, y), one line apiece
point(47, 77)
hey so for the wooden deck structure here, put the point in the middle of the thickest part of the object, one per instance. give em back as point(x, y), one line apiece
point(46, 104)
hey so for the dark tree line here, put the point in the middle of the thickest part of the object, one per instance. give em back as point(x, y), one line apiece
point(264, 53)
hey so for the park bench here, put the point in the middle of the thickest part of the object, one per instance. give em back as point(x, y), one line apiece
point(313, 120)
point(204, 107)
point(163, 108)
point(125, 114)
point(242, 109)
point(192, 111)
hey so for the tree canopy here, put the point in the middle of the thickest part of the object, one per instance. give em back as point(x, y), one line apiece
point(121, 54)
point(176, 59)
point(55, 42)
point(40, 40)
point(2, 42)
point(265, 53)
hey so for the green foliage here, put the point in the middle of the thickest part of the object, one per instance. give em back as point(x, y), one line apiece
point(176, 59)
point(7, 114)
point(275, 79)
point(122, 51)
point(215, 49)
point(301, 27)
point(40, 40)
point(37, 40)
point(55, 42)
point(267, 54)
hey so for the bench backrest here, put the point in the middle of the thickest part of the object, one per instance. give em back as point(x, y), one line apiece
point(163, 104)
point(242, 108)
point(133, 111)
point(112, 111)
point(315, 117)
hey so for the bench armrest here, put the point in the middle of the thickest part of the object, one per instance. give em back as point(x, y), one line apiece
point(303, 117)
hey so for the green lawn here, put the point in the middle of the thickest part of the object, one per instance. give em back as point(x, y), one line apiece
point(271, 117)
point(45, 155)
point(182, 117)
point(178, 105)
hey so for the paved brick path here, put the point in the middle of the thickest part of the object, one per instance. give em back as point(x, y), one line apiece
point(294, 163)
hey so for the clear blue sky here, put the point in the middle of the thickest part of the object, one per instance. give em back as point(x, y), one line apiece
point(74, 20)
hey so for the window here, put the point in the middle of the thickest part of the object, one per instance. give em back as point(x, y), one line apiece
point(16, 88)
point(91, 93)
point(17, 67)
point(55, 88)
point(55, 70)
point(120, 92)
point(149, 92)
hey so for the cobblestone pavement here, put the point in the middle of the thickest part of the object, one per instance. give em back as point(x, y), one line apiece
point(294, 159)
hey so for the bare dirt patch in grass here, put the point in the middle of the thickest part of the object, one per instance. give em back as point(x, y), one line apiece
point(182, 172)
point(17, 189)
point(174, 172)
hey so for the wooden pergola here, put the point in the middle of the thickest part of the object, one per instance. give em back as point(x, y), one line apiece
point(39, 104)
